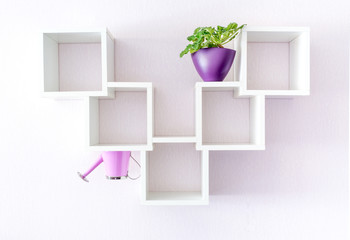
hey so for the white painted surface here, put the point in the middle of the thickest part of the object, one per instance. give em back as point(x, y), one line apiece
point(299, 62)
point(50, 62)
point(274, 34)
point(130, 86)
point(74, 36)
point(110, 57)
point(257, 120)
point(120, 147)
point(93, 121)
point(218, 86)
point(174, 139)
point(230, 147)
point(296, 189)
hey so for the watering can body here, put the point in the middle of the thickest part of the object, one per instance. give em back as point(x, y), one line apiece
point(116, 164)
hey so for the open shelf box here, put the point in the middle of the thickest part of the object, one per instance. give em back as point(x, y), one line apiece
point(175, 174)
point(122, 121)
point(242, 128)
point(77, 63)
point(275, 61)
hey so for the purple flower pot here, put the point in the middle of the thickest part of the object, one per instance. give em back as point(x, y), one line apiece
point(213, 64)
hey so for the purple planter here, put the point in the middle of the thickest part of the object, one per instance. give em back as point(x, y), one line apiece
point(213, 64)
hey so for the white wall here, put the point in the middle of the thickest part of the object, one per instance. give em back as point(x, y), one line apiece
point(296, 189)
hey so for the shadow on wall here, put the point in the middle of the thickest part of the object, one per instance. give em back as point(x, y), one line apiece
point(283, 168)
point(242, 172)
point(249, 173)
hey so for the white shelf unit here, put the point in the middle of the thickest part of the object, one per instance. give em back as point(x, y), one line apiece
point(68, 56)
point(164, 153)
point(110, 105)
point(178, 160)
point(256, 119)
point(295, 42)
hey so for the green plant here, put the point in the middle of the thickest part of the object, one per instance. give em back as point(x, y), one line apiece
point(209, 37)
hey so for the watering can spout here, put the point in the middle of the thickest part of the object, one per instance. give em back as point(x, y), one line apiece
point(83, 176)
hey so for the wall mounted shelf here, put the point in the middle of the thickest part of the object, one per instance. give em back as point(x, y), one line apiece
point(187, 168)
point(290, 46)
point(255, 117)
point(114, 124)
point(77, 63)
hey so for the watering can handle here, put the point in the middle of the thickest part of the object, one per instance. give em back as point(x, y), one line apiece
point(83, 176)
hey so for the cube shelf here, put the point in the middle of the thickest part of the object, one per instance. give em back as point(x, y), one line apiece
point(77, 63)
point(235, 133)
point(175, 173)
point(262, 48)
point(123, 120)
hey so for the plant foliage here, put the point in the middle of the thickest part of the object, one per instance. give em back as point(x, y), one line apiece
point(209, 37)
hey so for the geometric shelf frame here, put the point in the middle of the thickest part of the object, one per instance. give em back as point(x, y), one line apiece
point(297, 40)
point(256, 118)
point(93, 116)
point(97, 48)
point(178, 197)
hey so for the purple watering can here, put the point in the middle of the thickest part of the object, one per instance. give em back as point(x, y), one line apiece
point(116, 165)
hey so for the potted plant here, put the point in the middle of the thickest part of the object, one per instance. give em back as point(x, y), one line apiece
point(211, 60)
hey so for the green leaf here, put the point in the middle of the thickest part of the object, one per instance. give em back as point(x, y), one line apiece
point(231, 26)
point(197, 30)
point(185, 51)
point(209, 30)
point(225, 36)
point(191, 38)
point(208, 37)
point(205, 45)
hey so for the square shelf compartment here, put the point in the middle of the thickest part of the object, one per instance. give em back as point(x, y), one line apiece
point(227, 122)
point(175, 174)
point(123, 121)
point(275, 61)
point(77, 63)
